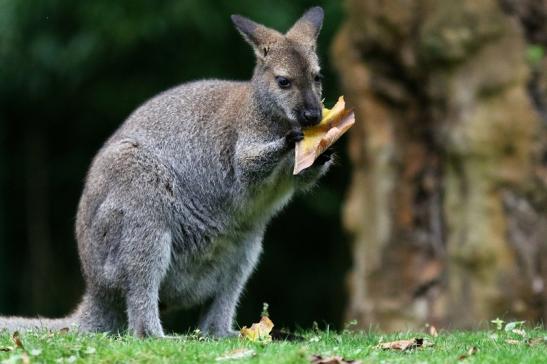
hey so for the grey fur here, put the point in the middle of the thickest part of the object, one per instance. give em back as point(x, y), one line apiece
point(176, 202)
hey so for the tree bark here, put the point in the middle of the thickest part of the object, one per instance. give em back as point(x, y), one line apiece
point(447, 167)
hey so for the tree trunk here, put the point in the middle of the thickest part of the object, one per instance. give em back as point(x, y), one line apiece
point(444, 204)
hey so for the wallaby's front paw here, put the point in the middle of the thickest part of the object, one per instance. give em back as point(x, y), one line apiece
point(325, 157)
point(293, 136)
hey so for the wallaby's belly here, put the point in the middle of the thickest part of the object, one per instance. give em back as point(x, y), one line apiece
point(193, 278)
point(189, 283)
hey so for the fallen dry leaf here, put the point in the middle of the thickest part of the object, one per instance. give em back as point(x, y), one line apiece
point(472, 351)
point(433, 331)
point(512, 342)
point(519, 332)
point(317, 139)
point(402, 345)
point(536, 341)
point(258, 332)
point(318, 359)
point(16, 338)
point(236, 354)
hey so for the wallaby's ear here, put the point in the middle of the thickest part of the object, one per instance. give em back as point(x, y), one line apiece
point(307, 28)
point(257, 35)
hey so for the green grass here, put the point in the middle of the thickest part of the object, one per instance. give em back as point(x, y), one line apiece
point(41, 347)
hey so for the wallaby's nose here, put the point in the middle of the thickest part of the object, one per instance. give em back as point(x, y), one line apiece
point(312, 116)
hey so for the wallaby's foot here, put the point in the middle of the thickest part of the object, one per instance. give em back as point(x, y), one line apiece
point(293, 136)
point(97, 313)
point(143, 328)
point(217, 322)
point(143, 314)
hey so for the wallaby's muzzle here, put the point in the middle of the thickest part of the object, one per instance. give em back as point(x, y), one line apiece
point(309, 117)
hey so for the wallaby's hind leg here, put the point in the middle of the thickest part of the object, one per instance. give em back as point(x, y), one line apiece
point(124, 239)
point(145, 269)
point(101, 313)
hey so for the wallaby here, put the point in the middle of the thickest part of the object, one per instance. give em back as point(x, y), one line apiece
point(176, 202)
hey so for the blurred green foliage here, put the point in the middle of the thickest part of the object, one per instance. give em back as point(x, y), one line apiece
point(534, 54)
point(71, 71)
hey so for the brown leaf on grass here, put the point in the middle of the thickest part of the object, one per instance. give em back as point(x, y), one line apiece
point(402, 345)
point(520, 332)
point(433, 331)
point(318, 359)
point(472, 351)
point(318, 138)
point(536, 341)
point(513, 342)
point(16, 338)
point(236, 354)
point(258, 332)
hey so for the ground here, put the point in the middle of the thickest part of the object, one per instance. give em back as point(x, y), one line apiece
point(494, 346)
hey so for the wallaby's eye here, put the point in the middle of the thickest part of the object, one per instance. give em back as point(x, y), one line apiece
point(283, 82)
point(318, 77)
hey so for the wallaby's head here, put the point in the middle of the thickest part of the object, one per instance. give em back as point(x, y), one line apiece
point(287, 76)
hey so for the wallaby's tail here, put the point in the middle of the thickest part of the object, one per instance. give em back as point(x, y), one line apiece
point(24, 324)
point(93, 314)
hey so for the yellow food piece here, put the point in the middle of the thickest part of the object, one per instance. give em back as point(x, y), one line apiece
point(317, 139)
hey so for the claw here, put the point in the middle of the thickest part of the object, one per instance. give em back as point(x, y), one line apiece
point(293, 136)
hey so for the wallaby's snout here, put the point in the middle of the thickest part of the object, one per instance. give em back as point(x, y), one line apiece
point(310, 112)
point(310, 116)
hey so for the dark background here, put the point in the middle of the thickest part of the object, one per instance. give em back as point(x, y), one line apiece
point(70, 73)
